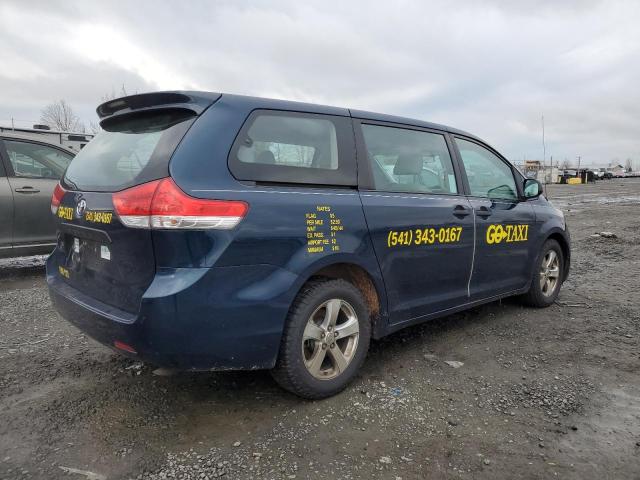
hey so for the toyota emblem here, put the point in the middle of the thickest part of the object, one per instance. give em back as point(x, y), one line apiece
point(81, 207)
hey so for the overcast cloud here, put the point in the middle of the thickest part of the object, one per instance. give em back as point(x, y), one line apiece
point(492, 68)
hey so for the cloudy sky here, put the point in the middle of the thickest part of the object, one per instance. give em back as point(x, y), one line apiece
point(488, 67)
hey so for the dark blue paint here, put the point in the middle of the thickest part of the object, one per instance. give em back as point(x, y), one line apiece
point(414, 273)
point(501, 268)
point(218, 299)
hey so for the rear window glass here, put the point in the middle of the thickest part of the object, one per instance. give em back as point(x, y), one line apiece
point(291, 147)
point(128, 151)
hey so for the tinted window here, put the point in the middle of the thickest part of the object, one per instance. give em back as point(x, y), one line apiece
point(291, 141)
point(405, 160)
point(488, 175)
point(293, 147)
point(36, 160)
point(128, 151)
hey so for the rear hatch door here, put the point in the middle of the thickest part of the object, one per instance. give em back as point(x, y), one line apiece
point(98, 255)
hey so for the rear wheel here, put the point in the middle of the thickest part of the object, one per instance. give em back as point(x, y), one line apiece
point(325, 340)
point(547, 276)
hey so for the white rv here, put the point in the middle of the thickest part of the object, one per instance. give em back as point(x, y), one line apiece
point(68, 140)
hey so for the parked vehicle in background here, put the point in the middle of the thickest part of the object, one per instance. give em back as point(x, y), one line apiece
point(67, 140)
point(29, 172)
point(203, 231)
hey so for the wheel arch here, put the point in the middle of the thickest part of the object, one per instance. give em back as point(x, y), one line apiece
point(372, 288)
point(566, 250)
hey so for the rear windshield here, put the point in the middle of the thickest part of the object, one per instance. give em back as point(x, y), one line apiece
point(128, 151)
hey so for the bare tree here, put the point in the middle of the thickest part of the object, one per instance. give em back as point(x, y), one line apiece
point(564, 165)
point(60, 116)
point(110, 96)
point(627, 165)
point(94, 127)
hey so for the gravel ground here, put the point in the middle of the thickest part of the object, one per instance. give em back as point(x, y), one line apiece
point(540, 393)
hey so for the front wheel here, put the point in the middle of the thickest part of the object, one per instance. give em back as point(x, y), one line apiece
point(325, 340)
point(547, 276)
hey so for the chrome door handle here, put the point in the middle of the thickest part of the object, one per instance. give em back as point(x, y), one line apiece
point(27, 189)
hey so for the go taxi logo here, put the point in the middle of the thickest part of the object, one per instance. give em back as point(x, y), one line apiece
point(507, 233)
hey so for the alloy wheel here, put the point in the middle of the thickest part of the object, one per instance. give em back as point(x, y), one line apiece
point(330, 339)
point(549, 273)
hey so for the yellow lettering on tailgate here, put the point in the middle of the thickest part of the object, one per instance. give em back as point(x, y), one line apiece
point(65, 213)
point(98, 217)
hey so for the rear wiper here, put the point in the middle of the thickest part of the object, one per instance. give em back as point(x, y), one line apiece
point(73, 185)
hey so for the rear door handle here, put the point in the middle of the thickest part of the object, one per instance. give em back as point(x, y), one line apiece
point(461, 211)
point(484, 212)
point(27, 189)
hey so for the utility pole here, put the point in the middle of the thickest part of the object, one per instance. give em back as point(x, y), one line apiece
point(579, 172)
point(544, 154)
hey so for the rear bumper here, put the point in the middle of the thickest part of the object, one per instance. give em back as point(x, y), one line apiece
point(218, 318)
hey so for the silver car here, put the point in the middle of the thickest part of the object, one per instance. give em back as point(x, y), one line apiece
point(29, 171)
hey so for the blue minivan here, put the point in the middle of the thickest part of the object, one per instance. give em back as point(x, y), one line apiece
point(201, 231)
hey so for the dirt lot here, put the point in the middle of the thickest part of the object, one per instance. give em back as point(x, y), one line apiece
point(542, 393)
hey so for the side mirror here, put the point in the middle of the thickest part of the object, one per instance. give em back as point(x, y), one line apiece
point(532, 188)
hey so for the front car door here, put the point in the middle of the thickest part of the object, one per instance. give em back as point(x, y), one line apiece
point(420, 223)
point(33, 171)
point(504, 224)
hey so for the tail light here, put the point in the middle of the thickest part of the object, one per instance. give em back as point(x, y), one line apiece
point(56, 198)
point(124, 347)
point(162, 205)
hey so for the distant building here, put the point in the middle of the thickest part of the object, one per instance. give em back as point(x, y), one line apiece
point(617, 170)
point(531, 168)
point(541, 172)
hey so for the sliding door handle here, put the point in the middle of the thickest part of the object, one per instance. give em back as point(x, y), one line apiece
point(461, 211)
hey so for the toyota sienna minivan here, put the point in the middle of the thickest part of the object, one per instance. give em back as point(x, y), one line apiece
point(201, 231)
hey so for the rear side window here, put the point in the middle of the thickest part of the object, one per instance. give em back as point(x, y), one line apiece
point(404, 160)
point(129, 151)
point(290, 147)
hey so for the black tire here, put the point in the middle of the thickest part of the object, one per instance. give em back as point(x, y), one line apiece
point(536, 297)
point(290, 370)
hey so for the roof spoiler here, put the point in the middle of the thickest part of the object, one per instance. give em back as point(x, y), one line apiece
point(197, 102)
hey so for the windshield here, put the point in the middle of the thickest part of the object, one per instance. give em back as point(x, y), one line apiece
point(128, 151)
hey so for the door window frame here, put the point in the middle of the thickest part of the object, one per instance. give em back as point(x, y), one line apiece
point(3, 170)
point(467, 188)
point(8, 167)
point(365, 173)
